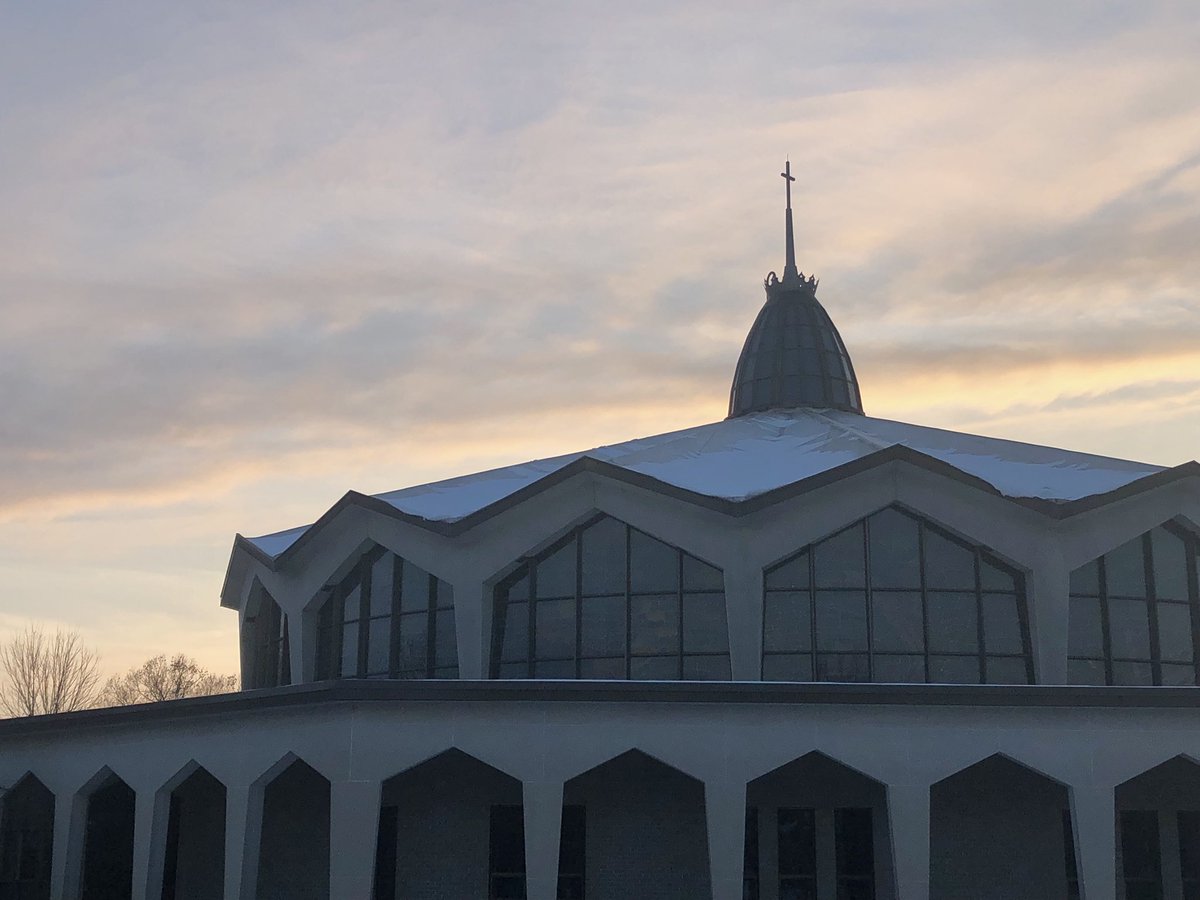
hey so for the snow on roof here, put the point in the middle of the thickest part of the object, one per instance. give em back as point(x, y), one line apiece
point(739, 458)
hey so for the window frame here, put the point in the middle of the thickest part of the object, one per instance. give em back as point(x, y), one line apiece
point(981, 556)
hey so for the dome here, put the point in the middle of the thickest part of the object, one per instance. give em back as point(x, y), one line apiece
point(793, 356)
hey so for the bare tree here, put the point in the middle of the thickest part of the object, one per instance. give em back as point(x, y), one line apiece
point(161, 678)
point(47, 673)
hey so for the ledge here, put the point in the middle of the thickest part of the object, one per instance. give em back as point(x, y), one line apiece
point(359, 691)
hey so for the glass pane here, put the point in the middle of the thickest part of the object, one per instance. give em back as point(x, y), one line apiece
point(610, 668)
point(519, 589)
point(350, 650)
point(507, 840)
point(1170, 565)
point(898, 621)
point(556, 573)
point(514, 670)
point(653, 565)
point(445, 646)
point(1129, 628)
point(792, 574)
point(603, 626)
point(1008, 670)
point(1139, 845)
point(798, 889)
point(704, 623)
point(1001, 624)
point(1175, 632)
point(700, 576)
point(1125, 570)
point(908, 669)
point(379, 646)
point(381, 585)
point(1131, 673)
point(953, 670)
point(948, 565)
point(797, 835)
point(1086, 633)
point(706, 668)
point(993, 578)
point(1178, 674)
point(414, 588)
point(850, 667)
point(841, 620)
point(414, 634)
point(654, 668)
point(554, 634)
point(953, 621)
point(787, 624)
point(654, 623)
point(352, 611)
point(554, 668)
point(895, 550)
point(838, 560)
point(604, 557)
point(1086, 579)
point(1085, 671)
point(787, 667)
point(854, 842)
point(443, 594)
point(516, 632)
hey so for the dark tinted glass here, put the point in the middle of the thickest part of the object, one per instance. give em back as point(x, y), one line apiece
point(1002, 624)
point(788, 622)
point(556, 573)
point(1125, 570)
point(1086, 579)
point(654, 566)
point(654, 623)
point(953, 623)
point(839, 562)
point(604, 557)
point(898, 624)
point(1175, 632)
point(792, 574)
point(947, 564)
point(953, 669)
point(797, 842)
point(1140, 849)
point(700, 576)
point(1086, 632)
point(602, 629)
point(854, 841)
point(895, 550)
point(841, 620)
point(899, 669)
point(1189, 844)
point(555, 625)
point(414, 589)
point(1129, 625)
point(704, 628)
point(1170, 566)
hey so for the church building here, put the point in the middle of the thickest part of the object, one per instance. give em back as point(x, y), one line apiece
point(797, 654)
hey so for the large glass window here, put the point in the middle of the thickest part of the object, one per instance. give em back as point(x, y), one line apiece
point(267, 628)
point(387, 619)
point(894, 598)
point(1133, 613)
point(609, 601)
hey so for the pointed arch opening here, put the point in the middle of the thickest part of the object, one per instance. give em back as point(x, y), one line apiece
point(293, 857)
point(999, 830)
point(1158, 831)
point(1135, 612)
point(194, 859)
point(26, 840)
point(108, 840)
point(387, 618)
point(895, 598)
point(608, 601)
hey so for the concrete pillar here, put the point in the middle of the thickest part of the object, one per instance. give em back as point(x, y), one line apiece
point(744, 611)
point(150, 820)
point(67, 854)
point(1093, 817)
point(472, 625)
point(725, 816)
point(908, 815)
point(543, 829)
point(353, 835)
point(243, 829)
point(1051, 588)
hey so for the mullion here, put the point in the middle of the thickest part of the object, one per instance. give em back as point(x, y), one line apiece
point(979, 631)
point(866, 554)
point(531, 618)
point(1190, 557)
point(364, 611)
point(812, 612)
point(679, 618)
point(1151, 610)
point(1105, 626)
point(430, 624)
point(578, 600)
point(394, 635)
point(924, 594)
point(628, 602)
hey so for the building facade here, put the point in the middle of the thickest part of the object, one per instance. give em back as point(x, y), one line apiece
point(799, 654)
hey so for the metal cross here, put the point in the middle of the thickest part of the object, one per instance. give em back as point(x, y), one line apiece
point(787, 173)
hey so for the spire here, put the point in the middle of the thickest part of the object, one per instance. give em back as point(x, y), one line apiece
point(789, 269)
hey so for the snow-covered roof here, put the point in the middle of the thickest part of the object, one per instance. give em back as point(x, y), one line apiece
point(737, 459)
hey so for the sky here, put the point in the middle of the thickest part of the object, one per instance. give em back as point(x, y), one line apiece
point(253, 256)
